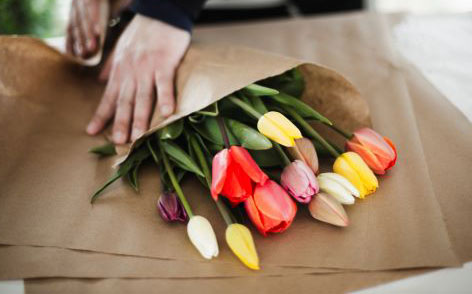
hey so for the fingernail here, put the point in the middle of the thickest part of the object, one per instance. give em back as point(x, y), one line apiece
point(91, 128)
point(78, 48)
point(166, 110)
point(97, 29)
point(119, 137)
point(90, 44)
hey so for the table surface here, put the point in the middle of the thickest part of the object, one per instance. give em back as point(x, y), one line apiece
point(439, 46)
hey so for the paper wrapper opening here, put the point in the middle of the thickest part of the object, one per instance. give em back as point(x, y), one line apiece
point(210, 72)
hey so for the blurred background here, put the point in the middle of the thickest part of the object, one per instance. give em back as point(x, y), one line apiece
point(48, 18)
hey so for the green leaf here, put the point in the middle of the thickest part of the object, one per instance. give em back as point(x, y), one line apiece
point(136, 156)
point(210, 110)
point(180, 157)
point(300, 107)
point(248, 137)
point(266, 158)
point(210, 130)
point(106, 149)
point(259, 90)
point(179, 174)
point(196, 118)
point(258, 104)
point(133, 177)
point(290, 82)
point(152, 151)
point(172, 131)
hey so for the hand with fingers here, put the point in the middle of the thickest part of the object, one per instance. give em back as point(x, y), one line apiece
point(140, 70)
point(83, 30)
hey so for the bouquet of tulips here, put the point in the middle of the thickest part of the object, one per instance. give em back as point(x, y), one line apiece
point(256, 151)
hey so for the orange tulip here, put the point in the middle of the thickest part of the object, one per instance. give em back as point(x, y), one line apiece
point(270, 209)
point(378, 152)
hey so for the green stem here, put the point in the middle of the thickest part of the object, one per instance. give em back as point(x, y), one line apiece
point(282, 154)
point(221, 125)
point(176, 184)
point(311, 132)
point(206, 171)
point(246, 107)
point(344, 133)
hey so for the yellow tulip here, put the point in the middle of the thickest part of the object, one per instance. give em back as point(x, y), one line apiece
point(240, 241)
point(352, 167)
point(277, 127)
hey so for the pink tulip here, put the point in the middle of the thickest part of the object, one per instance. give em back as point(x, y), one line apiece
point(300, 181)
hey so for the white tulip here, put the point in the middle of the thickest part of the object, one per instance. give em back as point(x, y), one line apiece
point(202, 236)
point(338, 187)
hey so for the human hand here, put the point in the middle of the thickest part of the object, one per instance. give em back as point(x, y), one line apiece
point(142, 65)
point(83, 30)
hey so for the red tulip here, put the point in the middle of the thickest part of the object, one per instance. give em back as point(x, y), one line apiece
point(378, 152)
point(234, 174)
point(271, 209)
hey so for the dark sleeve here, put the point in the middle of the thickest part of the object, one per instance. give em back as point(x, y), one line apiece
point(179, 13)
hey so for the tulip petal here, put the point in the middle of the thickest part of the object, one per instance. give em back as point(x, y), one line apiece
point(394, 160)
point(274, 202)
point(372, 161)
point(220, 164)
point(202, 236)
point(296, 183)
point(325, 208)
point(342, 181)
point(237, 186)
point(270, 130)
point(242, 157)
point(342, 167)
point(240, 241)
point(336, 190)
point(365, 173)
point(284, 124)
point(306, 152)
point(374, 142)
point(254, 215)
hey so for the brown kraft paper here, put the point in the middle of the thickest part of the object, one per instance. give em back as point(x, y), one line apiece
point(401, 219)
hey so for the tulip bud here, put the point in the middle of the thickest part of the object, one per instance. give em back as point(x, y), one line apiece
point(378, 152)
point(170, 208)
point(240, 241)
point(300, 181)
point(338, 187)
point(306, 152)
point(352, 167)
point(270, 209)
point(202, 236)
point(277, 127)
point(325, 208)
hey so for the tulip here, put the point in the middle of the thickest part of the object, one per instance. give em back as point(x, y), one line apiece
point(305, 151)
point(170, 208)
point(240, 241)
point(270, 208)
point(378, 152)
point(338, 187)
point(277, 127)
point(300, 181)
point(352, 167)
point(234, 173)
point(202, 236)
point(327, 209)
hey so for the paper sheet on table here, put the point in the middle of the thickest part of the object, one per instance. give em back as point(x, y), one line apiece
point(401, 226)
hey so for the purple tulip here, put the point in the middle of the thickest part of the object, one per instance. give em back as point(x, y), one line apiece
point(300, 181)
point(170, 208)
